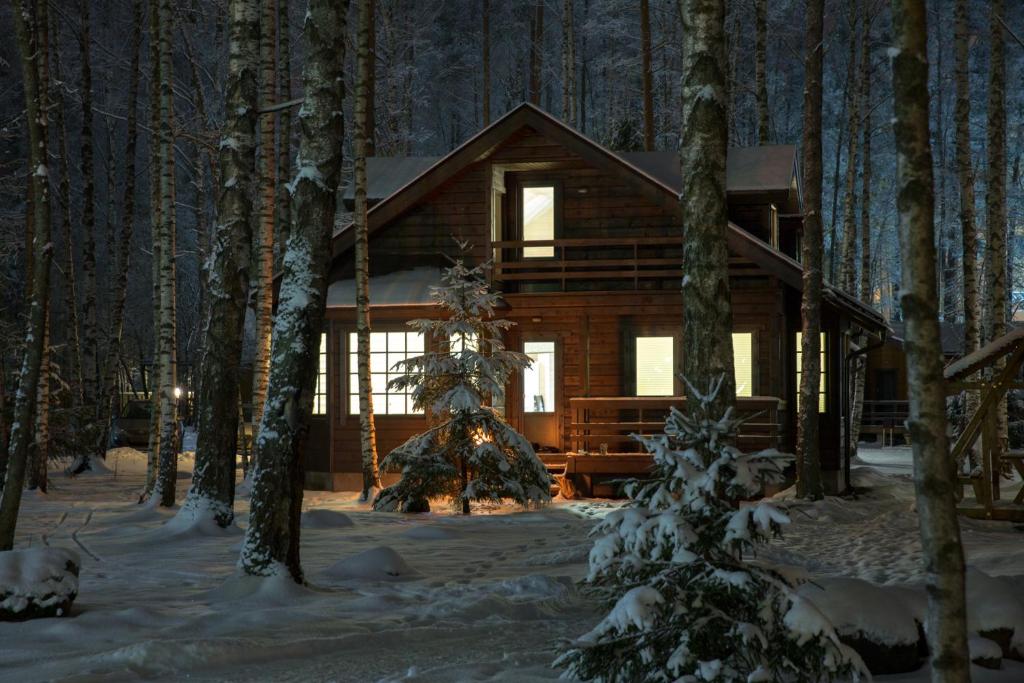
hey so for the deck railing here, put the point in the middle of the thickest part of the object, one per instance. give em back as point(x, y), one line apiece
point(606, 424)
point(622, 259)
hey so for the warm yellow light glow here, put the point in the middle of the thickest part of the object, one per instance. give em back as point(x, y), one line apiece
point(743, 362)
point(655, 366)
point(538, 220)
point(823, 379)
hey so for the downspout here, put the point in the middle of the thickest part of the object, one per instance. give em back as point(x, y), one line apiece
point(851, 356)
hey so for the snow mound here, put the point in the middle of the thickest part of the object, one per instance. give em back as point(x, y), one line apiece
point(278, 589)
point(38, 582)
point(376, 564)
point(196, 519)
point(995, 611)
point(325, 519)
point(430, 533)
point(984, 652)
point(858, 608)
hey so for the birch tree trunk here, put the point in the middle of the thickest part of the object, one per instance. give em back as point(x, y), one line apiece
point(120, 275)
point(568, 63)
point(90, 340)
point(39, 179)
point(934, 478)
point(167, 474)
point(707, 313)
point(965, 177)
point(647, 74)
point(760, 69)
point(367, 429)
point(486, 58)
point(808, 467)
point(994, 315)
point(212, 494)
point(271, 545)
point(39, 451)
point(284, 136)
point(263, 238)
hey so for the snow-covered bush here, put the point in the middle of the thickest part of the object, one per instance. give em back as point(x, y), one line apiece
point(469, 452)
point(37, 582)
point(685, 605)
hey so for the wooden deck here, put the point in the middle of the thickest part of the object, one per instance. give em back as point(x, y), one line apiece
point(603, 449)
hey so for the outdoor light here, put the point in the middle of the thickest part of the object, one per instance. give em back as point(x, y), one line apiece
point(177, 392)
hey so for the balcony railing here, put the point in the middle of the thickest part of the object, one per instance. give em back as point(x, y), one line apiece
point(605, 424)
point(626, 260)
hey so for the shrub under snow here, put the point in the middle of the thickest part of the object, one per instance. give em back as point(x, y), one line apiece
point(685, 605)
point(470, 452)
point(37, 582)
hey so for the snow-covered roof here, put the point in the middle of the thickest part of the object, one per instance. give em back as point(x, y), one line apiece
point(400, 288)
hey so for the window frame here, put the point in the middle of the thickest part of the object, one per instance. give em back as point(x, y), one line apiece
point(636, 363)
point(555, 345)
point(754, 357)
point(824, 404)
point(556, 187)
point(321, 388)
point(350, 372)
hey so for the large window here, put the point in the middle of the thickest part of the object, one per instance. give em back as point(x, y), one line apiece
point(320, 392)
point(823, 379)
point(743, 362)
point(386, 349)
point(538, 220)
point(655, 366)
point(539, 378)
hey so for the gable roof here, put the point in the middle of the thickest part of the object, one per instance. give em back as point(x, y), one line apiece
point(652, 175)
point(767, 169)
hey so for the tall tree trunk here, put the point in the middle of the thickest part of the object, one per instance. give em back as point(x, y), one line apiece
point(39, 179)
point(568, 63)
point(707, 314)
point(212, 494)
point(760, 69)
point(371, 83)
point(90, 336)
point(536, 51)
point(167, 474)
point(486, 58)
point(271, 545)
point(367, 429)
point(934, 478)
point(994, 315)
point(808, 483)
point(263, 237)
point(848, 253)
point(284, 136)
point(156, 221)
point(647, 74)
point(120, 275)
point(965, 177)
point(39, 451)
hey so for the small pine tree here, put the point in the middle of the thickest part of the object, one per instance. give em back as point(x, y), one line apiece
point(685, 604)
point(470, 452)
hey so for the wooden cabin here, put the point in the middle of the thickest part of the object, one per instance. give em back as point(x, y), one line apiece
point(586, 245)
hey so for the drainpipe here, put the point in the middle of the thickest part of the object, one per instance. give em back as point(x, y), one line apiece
point(851, 356)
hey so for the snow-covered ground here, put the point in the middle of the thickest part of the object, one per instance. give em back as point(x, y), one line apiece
point(394, 597)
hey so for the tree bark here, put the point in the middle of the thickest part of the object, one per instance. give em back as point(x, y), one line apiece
point(39, 179)
point(994, 313)
point(848, 253)
point(271, 545)
point(707, 313)
point(486, 58)
point(367, 428)
point(39, 451)
point(808, 482)
point(263, 238)
point(647, 74)
point(90, 337)
point(168, 459)
point(212, 494)
point(760, 69)
point(569, 63)
point(284, 136)
point(934, 477)
point(536, 51)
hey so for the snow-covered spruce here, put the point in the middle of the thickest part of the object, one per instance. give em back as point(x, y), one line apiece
point(685, 605)
point(469, 452)
point(37, 583)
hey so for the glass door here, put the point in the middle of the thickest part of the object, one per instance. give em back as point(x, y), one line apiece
point(540, 410)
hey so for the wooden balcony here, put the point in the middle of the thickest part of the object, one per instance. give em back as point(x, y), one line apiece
point(606, 424)
point(597, 264)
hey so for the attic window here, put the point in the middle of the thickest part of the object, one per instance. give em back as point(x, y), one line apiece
point(538, 216)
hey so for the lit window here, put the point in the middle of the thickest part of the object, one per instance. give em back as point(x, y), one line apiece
point(386, 349)
point(743, 362)
point(655, 367)
point(538, 220)
point(320, 392)
point(539, 378)
point(822, 381)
